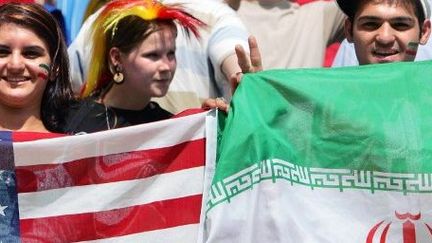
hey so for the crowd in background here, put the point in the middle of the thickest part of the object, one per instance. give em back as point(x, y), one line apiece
point(75, 12)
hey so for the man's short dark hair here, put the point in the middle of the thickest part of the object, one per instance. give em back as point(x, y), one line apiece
point(350, 7)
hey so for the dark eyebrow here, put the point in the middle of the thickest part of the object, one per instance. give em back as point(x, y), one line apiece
point(27, 48)
point(35, 48)
point(403, 19)
point(369, 18)
point(375, 18)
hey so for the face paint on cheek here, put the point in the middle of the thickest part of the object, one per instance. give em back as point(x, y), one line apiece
point(44, 71)
point(412, 48)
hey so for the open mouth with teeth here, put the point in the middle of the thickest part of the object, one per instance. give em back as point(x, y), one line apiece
point(384, 53)
point(15, 79)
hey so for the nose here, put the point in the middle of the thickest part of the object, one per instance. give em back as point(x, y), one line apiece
point(15, 63)
point(386, 34)
point(167, 63)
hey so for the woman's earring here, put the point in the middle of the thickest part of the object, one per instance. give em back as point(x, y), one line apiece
point(118, 75)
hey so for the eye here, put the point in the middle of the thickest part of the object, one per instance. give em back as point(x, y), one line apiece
point(171, 54)
point(32, 54)
point(370, 25)
point(151, 55)
point(4, 51)
point(401, 26)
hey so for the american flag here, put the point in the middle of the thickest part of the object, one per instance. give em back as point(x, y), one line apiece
point(134, 184)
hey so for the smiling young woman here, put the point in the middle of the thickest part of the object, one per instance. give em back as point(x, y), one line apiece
point(34, 73)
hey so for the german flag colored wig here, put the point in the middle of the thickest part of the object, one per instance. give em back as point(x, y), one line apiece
point(107, 22)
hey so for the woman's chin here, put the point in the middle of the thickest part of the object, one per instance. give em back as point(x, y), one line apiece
point(159, 93)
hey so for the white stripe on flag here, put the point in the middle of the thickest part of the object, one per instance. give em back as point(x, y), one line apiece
point(181, 234)
point(281, 212)
point(210, 166)
point(63, 149)
point(95, 198)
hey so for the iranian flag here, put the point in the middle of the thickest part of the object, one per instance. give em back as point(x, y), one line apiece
point(318, 155)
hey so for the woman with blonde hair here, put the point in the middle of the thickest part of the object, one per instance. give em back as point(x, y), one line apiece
point(133, 60)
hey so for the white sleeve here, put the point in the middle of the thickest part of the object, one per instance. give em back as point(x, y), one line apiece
point(227, 31)
point(224, 31)
point(345, 56)
point(79, 54)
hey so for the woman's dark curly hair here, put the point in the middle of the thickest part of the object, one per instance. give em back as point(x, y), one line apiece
point(58, 93)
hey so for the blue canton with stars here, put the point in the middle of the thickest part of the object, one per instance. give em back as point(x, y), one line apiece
point(9, 217)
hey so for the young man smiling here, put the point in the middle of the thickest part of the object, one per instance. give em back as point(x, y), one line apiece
point(386, 30)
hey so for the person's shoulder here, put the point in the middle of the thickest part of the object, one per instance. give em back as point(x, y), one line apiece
point(285, 5)
point(329, 10)
point(158, 112)
point(87, 104)
point(319, 5)
point(81, 114)
point(205, 10)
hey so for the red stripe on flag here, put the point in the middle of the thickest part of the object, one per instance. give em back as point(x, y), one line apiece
point(113, 223)
point(30, 136)
point(111, 168)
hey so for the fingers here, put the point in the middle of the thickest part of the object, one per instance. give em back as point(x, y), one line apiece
point(255, 54)
point(221, 104)
point(248, 63)
point(208, 104)
point(242, 59)
point(253, 62)
point(218, 103)
point(235, 81)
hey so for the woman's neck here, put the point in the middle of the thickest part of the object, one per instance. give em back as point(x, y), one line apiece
point(119, 96)
point(20, 120)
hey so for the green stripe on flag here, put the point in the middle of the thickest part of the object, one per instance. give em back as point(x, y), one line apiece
point(371, 120)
